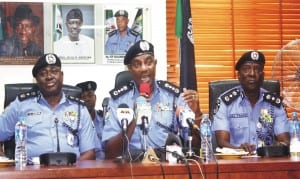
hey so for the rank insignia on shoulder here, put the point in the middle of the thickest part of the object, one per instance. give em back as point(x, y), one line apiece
point(230, 96)
point(133, 32)
point(217, 106)
point(72, 98)
point(27, 95)
point(117, 92)
point(112, 33)
point(272, 98)
point(169, 87)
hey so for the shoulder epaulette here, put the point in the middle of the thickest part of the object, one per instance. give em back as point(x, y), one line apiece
point(133, 32)
point(112, 33)
point(117, 92)
point(272, 98)
point(27, 95)
point(100, 113)
point(230, 96)
point(169, 87)
point(78, 100)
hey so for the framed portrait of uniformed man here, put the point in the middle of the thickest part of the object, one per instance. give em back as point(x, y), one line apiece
point(21, 32)
point(124, 26)
point(73, 33)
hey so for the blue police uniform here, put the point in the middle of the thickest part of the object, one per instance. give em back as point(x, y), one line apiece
point(233, 113)
point(99, 124)
point(116, 44)
point(75, 131)
point(164, 100)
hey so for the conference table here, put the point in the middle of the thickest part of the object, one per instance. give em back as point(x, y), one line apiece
point(258, 168)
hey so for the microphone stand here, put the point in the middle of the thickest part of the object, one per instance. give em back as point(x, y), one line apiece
point(123, 139)
point(190, 152)
point(144, 128)
point(57, 138)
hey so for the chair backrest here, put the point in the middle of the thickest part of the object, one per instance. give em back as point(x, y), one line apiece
point(216, 88)
point(122, 78)
point(12, 90)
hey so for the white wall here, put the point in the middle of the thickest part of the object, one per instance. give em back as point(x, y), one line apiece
point(103, 74)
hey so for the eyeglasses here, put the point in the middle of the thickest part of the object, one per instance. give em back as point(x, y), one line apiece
point(52, 72)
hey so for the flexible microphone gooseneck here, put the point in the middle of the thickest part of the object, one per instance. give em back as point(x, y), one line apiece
point(57, 137)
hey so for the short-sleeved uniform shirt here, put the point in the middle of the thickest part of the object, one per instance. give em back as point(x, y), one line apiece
point(164, 100)
point(233, 113)
point(75, 130)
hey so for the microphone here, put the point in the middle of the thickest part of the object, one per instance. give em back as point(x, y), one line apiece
point(125, 115)
point(57, 158)
point(142, 106)
point(104, 106)
point(143, 111)
point(186, 119)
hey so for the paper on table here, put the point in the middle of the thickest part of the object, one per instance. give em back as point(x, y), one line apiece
point(226, 150)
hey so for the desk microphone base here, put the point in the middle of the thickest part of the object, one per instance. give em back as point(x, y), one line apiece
point(273, 151)
point(58, 158)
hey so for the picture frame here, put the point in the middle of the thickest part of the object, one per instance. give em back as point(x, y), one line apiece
point(116, 46)
point(74, 39)
point(21, 40)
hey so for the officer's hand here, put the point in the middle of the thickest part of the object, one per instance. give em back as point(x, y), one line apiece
point(192, 99)
point(247, 147)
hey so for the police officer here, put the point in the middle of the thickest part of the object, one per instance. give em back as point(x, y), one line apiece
point(89, 97)
point(164, 98)
point(25, 26)
point(46, 108)
point(123, 37)
point(248, 116)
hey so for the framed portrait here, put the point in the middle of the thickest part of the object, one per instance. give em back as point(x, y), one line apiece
point(21, 32)
point(124, 26)
point(74, 33)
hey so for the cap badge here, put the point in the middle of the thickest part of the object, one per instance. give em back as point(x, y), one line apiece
point(254, 56)
point(122, 12)
point(50, 59)
point(144, 46)
point(89, 86)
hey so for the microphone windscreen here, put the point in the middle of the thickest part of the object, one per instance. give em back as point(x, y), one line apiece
point(123, 105)
point(145, 88)
point(105, 102)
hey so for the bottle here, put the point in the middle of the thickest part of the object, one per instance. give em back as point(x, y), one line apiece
point(295, 142)
point(294, 126)
point(206, 137)
point(21, 141)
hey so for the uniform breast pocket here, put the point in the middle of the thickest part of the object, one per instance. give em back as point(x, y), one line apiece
point(164, 117)
point(238, 127)
point(33, 122)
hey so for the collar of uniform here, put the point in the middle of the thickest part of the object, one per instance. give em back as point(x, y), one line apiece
point(42, 99)
point(261, 92)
